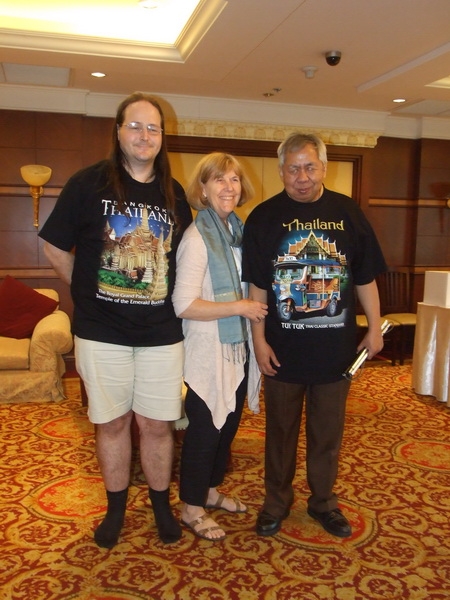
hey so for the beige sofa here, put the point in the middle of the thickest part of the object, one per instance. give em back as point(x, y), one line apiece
point(31, 368)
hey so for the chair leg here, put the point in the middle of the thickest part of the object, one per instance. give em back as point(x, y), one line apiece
point(395, 336)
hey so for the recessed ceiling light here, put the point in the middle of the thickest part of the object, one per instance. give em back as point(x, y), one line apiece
point(98, 74)
point(399, 100)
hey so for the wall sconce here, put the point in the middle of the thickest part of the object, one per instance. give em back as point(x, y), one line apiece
point(36, 176)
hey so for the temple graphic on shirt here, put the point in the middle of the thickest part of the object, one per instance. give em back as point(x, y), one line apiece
point(316, 247)
point(135, 264)
point(308, 278)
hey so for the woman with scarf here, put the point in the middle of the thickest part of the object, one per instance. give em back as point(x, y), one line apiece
point(219, 368)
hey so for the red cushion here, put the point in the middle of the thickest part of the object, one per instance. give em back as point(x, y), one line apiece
point(21, 308)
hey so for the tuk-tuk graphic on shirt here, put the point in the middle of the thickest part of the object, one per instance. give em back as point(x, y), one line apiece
point(308, 279)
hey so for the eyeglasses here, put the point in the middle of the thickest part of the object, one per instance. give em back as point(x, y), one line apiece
point(309, 169)
point(135, 127)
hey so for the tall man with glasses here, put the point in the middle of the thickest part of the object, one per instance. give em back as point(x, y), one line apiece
point(112, 237)
point(305, 253)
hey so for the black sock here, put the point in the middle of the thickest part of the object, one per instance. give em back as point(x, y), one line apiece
point(107, 533)
point(169, 529)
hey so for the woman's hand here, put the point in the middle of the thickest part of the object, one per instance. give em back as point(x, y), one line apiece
point(253, 310)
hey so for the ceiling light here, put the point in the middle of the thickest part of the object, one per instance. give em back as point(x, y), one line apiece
point(98, 74)
point(399, 100)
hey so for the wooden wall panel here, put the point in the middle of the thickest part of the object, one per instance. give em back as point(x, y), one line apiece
point(434, 182)
point(59, 131)
point(388, 182)
point(17, 213)
point(63, 163)
point(433, 216)
point(434, 154)
point(19, 249)
point(394, 228)
point(418, 286)
point(392, 187)
point(433, 237)
point(96, 139)
point(11, 159)
point(433, 251)
point(433, 221)
point(394, 169)
point(18, 129)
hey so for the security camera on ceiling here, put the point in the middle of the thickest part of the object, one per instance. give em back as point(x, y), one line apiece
point(333, 57)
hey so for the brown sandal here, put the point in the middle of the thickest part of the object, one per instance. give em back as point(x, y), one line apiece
point(218, 504)
point(202, 533)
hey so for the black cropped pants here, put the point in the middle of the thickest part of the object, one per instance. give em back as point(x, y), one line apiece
point(205, 450)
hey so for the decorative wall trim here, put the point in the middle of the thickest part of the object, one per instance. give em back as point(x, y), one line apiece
point(265, 132)
point(404, 203)
point(22, 190)
point(26, 273)
point(421, 270)
point(433, 203)
point(393, 203)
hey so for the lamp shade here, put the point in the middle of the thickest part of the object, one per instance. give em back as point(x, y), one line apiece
point(35, 175)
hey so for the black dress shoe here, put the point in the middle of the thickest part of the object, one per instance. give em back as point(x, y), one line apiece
point(332, 521)
point(267, 524)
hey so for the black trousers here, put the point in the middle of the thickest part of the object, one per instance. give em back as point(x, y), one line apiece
point(325, 419)
point(205, 450)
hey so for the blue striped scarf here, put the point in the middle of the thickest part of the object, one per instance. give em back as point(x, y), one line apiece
point(222, 267)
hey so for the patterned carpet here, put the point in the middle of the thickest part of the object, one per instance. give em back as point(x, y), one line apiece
point(394, 486)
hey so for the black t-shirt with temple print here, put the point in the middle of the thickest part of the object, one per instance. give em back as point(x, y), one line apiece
point(124, 267)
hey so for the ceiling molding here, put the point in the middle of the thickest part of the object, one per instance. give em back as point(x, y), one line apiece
point(198, 25)
point(435, 128)
point(409, 66)
point(78, 44)
point(215, 117)
point(201, 21)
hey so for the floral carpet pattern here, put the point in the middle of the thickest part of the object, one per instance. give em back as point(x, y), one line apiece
point(394, 486)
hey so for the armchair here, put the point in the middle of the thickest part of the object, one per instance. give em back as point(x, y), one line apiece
point(31, 368)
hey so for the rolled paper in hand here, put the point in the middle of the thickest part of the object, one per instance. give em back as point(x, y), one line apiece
point(361, 357)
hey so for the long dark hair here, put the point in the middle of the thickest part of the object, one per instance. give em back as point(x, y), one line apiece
point(118, 159)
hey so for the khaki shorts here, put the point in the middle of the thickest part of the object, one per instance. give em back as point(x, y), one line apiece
point(118, 379)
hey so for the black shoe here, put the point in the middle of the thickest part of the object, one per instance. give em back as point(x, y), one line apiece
point(267, 524)
point(332, 521)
